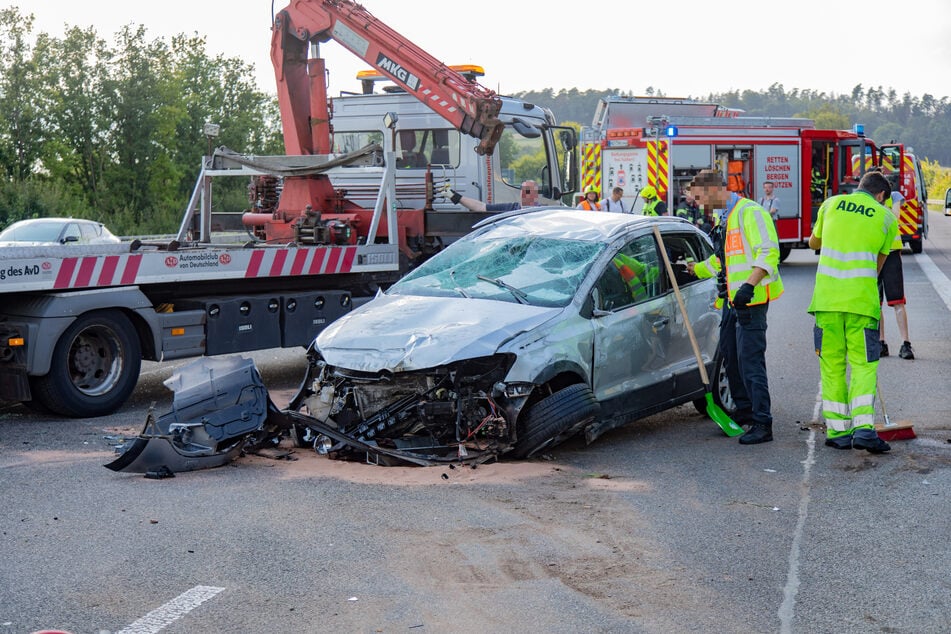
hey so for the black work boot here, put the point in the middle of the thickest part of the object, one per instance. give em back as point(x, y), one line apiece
point(759, 432)
point(868, 440)
point(884, 352)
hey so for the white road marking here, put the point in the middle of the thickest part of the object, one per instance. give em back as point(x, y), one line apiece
point(175, 609)
point(938, 279)
point(787, 608)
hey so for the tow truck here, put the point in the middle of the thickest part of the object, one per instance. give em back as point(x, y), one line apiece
point(77, 321)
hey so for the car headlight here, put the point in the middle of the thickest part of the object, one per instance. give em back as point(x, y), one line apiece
point(515, 390)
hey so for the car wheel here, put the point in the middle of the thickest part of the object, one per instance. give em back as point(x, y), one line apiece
point(720, 387)
point(554, 419)
point(94, 368)
point(784, 251)
point(916, 246)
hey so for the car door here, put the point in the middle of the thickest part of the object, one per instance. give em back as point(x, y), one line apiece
point(684, 245)
point(633, 361)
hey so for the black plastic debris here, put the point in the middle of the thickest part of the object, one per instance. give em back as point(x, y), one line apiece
point(160, 473)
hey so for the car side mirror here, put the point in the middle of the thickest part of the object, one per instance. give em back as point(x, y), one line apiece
point(70, 239)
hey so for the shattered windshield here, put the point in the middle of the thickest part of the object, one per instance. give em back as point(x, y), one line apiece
point(518, 268)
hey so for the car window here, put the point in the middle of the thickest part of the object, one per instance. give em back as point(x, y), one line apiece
point(71, 231)
point(511, 268)
point(32, 232)
point(683, 247)
point(89, 231)
point(634, 275)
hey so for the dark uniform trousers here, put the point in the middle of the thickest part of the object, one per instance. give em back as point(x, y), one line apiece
point(743, 346)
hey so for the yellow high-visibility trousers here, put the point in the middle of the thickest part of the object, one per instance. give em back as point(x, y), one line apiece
point(847, 340)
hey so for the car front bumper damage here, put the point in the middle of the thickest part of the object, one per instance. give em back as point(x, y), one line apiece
point(461, 413)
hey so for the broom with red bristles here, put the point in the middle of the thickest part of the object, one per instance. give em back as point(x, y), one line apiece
point(902, 430)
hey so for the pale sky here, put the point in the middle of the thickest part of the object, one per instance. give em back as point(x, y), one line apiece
point(701, 47)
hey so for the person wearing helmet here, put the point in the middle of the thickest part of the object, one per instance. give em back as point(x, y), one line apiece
point(590, 200)
point(653, 206)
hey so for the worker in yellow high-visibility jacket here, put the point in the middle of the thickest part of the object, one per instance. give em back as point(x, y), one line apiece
point(637, 276)
point(748, 255)
point(853, 234)
point(653, 205)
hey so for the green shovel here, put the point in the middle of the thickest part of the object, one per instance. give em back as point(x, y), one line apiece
point(714, 411)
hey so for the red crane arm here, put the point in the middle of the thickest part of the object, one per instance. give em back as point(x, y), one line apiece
point(302, 88)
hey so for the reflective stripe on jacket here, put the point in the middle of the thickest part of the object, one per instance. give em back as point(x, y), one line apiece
point(854, 229)
point(636, 275)
point(750, 242)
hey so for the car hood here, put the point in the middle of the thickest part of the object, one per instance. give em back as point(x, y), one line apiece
point(402, 333)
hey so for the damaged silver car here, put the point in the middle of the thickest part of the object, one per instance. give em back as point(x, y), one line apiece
point(539, 325)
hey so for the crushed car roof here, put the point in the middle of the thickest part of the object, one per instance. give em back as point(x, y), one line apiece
point(569, 223)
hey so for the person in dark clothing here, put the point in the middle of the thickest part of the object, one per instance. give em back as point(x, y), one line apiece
point(746, 264)
point(529, 199)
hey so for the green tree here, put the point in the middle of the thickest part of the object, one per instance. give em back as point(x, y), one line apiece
point(114, 131)
point(21, 126)
point(937, 178)
point(73, 76)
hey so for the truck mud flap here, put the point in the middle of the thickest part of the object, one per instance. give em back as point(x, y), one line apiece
point(220, 408)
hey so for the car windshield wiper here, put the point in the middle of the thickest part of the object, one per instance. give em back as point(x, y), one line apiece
point(517, 293)
point(456, 287)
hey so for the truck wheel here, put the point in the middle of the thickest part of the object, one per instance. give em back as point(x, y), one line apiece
point(554, 419)
point(784, 251)
point(94, 368)
point(916, 246)
point(720, 387)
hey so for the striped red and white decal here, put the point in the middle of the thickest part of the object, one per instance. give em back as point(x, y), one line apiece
point(113, 271)
point(306, 261)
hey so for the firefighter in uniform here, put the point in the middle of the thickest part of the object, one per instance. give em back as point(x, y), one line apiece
point(590, 200)
point(747, 266)
point(818, 185)
point(653, 206)
point(853, 234)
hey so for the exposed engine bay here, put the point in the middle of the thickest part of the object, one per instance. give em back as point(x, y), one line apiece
point(458, 413)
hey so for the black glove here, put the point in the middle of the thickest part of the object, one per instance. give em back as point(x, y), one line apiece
point(456, 197)
point(743, 297)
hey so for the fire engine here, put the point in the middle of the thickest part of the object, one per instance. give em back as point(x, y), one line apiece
point(77, 320)
point(664, 142)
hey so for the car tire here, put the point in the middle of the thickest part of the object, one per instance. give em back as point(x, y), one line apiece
point(720, 387)
point(554, 419)
point(94, 367)
point(784, 251)
point(916, 246)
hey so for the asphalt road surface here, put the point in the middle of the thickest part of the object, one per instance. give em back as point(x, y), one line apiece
point(664, 525)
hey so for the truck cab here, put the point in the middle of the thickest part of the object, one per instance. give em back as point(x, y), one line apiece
point(532, 147)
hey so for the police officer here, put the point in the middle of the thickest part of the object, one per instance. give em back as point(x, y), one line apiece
point(853, 234)
point(747, 265)
point(653, 206)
